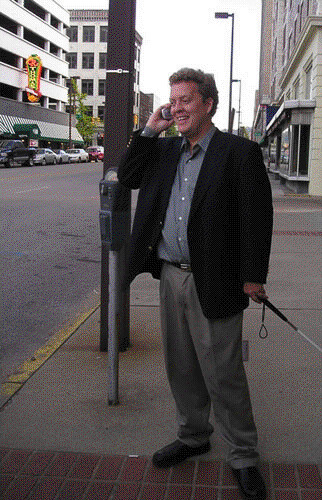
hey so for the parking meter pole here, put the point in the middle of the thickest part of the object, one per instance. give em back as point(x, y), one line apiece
point(113, 329)
point(116, 221)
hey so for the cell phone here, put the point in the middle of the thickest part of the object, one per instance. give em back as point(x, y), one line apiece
point(166, 114)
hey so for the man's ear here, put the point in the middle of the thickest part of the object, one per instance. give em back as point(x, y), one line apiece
point(209, 103)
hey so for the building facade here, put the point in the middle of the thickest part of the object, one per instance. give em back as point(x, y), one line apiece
point(87, 59)
point(288, 124)
point(33, 35)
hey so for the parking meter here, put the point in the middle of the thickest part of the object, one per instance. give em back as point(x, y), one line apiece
point(115, 211)
point(115, 228)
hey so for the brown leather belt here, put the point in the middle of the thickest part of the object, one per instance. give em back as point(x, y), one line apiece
point(182, 266)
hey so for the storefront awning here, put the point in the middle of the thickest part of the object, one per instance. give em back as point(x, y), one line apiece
point(297, 107)
point(31, 129)
point(11, 126)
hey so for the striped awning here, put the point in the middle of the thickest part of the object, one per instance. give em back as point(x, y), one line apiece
point(48, 131)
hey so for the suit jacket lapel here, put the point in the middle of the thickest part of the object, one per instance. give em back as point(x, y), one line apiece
point(211, 171)
point(169, 164)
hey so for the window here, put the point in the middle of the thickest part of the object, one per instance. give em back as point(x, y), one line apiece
point(308, 83)
point(88, 60)
point(87, 87)
point(103, 33)
point(297, 89)
point(272, 152)
point(284, 151)
point(89, 34)
point(295, 149)
point(52, 103)
point(71, 58)
point(53, 76)
point(72, 33)
point(300, 150)
point(53, 49)
point(289, 45)
point(301, 16)
point(100, 112)
point(304, 150)
point(101, 87)
point(103, 60)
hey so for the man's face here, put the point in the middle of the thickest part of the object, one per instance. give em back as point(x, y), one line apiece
point(190, 113)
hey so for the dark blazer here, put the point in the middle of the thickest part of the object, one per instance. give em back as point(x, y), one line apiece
point(230, 221)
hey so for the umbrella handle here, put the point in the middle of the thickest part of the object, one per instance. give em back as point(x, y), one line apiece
point(274, 309)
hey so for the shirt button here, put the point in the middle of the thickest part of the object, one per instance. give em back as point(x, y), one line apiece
point(186, 180)
point(183, 198)
point(179, 239)
point(180, 218)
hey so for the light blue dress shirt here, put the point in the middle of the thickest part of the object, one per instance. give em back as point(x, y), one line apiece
point(173, 246)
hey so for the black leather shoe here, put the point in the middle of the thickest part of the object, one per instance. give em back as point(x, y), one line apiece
point(177, 452)
point(250, 483)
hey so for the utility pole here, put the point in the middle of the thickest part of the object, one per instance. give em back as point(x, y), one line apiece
point(225, 15)
point(115, 215)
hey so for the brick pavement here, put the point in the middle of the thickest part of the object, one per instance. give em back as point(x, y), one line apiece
point(46, 475)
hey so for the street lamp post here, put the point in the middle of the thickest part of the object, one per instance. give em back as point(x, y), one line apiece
point(71, 95)
point(238, 105)
point(225, 15)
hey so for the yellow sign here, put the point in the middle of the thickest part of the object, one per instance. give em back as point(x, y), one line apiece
point(34, 67)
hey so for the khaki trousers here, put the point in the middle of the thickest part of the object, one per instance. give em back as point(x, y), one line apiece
point(204, 366)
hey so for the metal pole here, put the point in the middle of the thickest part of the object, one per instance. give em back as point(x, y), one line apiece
point(70, 113)
point(239, 81)
point(230, 118)
point(118, 127)
point(239, 109)
point(113, 337)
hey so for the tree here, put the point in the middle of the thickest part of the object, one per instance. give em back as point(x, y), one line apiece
point(84, 122)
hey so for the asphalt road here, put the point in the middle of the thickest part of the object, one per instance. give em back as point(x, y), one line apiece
point(50, 253)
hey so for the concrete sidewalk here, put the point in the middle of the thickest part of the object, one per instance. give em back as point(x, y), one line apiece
point(60, 438)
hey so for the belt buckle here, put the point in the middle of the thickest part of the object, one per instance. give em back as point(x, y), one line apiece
point(185, 267)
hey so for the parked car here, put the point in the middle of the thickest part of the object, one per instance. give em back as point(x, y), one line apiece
point(14, 152)
point(77, 155)
point(62, 156)
point(44, 157)
point(95, 153)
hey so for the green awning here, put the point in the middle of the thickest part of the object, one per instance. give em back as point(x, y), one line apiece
point(11, 126)
point(31, 129)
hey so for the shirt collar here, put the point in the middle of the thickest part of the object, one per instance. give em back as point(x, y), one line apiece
point(203, 142)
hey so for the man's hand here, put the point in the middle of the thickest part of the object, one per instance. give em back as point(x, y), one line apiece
point(157, 123)
point(255, 291)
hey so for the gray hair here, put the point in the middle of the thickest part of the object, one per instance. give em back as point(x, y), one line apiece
point(206, 84)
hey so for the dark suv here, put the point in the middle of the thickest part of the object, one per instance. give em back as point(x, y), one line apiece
point(14, 152)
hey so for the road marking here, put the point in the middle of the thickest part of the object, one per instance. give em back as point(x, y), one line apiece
point(296, 210)
point(47, 174)
point(298, 233)
point(32, 189)
point(29, 367)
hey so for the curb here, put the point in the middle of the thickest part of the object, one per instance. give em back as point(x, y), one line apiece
point(16, 381)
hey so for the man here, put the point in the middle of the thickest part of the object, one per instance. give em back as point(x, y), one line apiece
point(203, 225)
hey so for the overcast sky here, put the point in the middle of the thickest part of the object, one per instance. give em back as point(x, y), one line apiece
point(185, 33)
